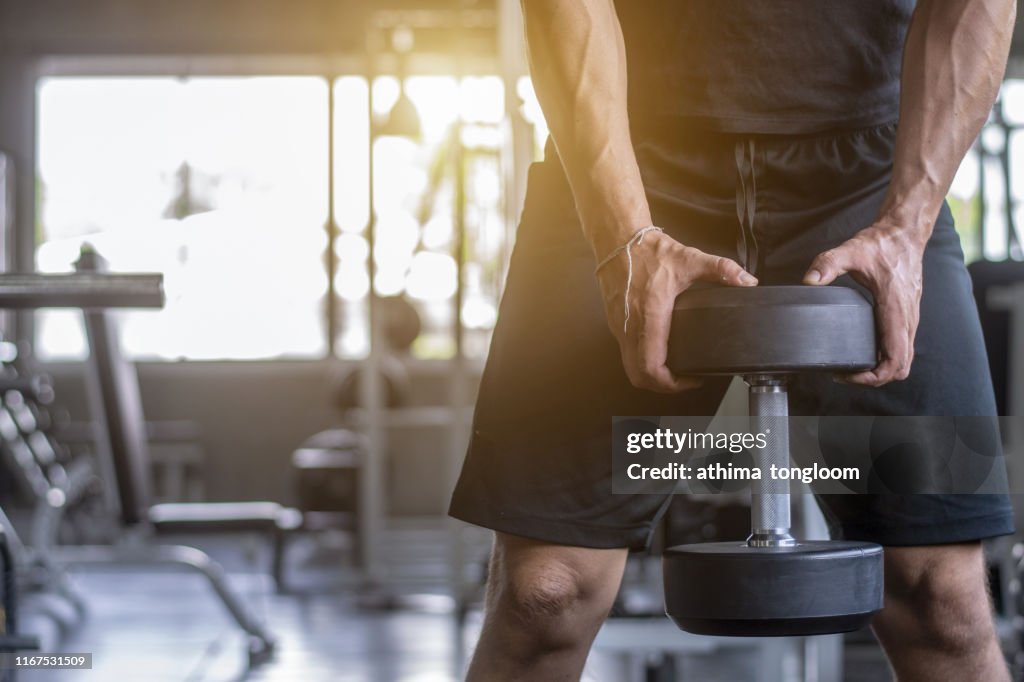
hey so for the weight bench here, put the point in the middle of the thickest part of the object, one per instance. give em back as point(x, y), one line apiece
point(114, 393)
point(327, 469)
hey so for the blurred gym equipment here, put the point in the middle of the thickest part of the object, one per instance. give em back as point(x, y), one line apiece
point(116, 395)
point(40, 470)
point(53, 484)
point(11, 641)
point(80, 290)
point(326, 469)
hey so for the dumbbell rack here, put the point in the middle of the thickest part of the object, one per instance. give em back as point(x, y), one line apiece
point(10, 640)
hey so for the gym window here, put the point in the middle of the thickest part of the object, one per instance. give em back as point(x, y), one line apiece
point(221, 183)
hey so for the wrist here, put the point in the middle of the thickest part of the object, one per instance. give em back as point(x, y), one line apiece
point(626, 248)
point(914, 218)
point(610, 217)
point(608, 236)
point(914, 198)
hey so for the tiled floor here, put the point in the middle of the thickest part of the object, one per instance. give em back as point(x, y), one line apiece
point(166, 626)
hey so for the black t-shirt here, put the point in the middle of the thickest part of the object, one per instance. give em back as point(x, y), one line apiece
point(765, 66)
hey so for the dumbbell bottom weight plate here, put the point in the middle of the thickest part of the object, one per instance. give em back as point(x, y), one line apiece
point(728, 588)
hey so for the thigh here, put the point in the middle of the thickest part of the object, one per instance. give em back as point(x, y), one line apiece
point(540, 458)
point(950, 373)
point(949, 382)
point(818, 194)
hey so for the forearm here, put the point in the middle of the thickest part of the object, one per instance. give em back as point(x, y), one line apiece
point(953, 63)
point(578, 63)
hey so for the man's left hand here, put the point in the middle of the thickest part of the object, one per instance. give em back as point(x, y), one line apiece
point(886, 259)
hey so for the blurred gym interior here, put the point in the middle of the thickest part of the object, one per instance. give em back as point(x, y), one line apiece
point(241, 470)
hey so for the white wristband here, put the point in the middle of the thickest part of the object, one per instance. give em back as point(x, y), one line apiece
point(637, 237)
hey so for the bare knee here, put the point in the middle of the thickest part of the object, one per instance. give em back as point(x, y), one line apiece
point(937, 614)
point(937, 599)
point(550, 598)
point(545, 594)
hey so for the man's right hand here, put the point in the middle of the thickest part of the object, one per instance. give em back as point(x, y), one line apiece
point(578, 63)
point(662, 269)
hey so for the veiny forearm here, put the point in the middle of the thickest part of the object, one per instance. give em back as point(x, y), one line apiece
point(953, 63)
point(578, 63)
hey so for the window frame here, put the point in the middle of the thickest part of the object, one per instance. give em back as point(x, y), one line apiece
point(329, 68)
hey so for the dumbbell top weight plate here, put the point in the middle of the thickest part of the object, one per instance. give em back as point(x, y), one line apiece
point(771, 329)
point(816, 587)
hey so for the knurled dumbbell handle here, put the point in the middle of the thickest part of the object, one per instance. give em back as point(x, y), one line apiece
point(769, 500)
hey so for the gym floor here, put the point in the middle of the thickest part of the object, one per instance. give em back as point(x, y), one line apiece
point(164, 626)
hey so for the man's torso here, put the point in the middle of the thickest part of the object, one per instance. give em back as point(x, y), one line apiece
point(765, 66)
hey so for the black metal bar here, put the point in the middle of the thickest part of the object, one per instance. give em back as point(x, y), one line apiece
point(7, 232)
point(18, 108)
point(81, 290)
point(32, 386)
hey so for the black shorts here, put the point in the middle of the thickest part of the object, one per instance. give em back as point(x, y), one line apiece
point(539, 463)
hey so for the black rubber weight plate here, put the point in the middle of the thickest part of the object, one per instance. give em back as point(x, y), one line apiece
point(736, 330)
point(727, 588)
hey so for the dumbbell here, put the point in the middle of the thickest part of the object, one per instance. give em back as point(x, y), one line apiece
point(772, 584)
